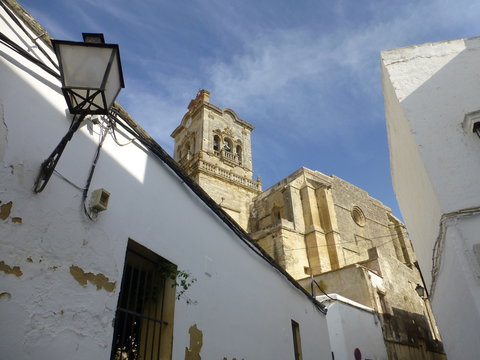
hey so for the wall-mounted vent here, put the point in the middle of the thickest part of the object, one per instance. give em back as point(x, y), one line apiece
point(99, 200)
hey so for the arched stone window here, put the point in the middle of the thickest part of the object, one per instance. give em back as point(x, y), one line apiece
point(216, 142)
point(227, 145)
point(238, 150)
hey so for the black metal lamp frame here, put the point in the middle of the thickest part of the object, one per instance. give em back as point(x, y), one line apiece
point(48, 166)
point(79, 105)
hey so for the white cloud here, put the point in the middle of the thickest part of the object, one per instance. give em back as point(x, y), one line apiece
point(299, 78)
point(54, 26)
point(159, 112)
point(130, 14)
point(276, 65)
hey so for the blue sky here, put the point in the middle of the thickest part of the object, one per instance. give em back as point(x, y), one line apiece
point(305, 73)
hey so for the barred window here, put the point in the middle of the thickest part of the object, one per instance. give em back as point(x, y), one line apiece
point(144, 319)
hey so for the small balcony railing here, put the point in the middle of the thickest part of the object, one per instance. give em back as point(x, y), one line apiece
point(228, 156)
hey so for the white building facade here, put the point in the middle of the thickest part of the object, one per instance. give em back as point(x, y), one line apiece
point(355, 329)
point(432, 103)
point(62, 264)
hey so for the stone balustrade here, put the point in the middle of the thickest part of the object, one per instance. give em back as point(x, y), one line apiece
point(227, 155)
point(226, 174)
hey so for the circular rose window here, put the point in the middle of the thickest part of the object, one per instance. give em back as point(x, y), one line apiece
point(358, 216)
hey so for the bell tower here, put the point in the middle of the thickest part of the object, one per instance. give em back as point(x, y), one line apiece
point(213, 146)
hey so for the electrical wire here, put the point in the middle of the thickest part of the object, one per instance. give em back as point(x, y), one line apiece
point(438, 247)
point(67, 180)
point(13, 46)
point(322, 290)
point(90, 175)
point(394, 237)
point(114, 136)
point(355, 241)
point(33, 40)
point(347, 260)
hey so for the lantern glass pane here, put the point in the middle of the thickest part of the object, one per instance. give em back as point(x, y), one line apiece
point(114, 83)
point(83, 66)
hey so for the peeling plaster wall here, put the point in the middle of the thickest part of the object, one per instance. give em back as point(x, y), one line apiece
point(59, 271)
point(428, 91)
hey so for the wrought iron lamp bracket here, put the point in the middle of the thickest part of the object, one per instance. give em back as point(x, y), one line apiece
point(48, 166)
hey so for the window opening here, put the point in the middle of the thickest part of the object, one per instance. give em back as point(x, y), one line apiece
point(276, 215)
point(358, 216)
point(399, 241)
point(187, 151)
point(297, 346)
point(216, 143)
point(239, 153)
point(382, 303)
point(227, 145)
point(144, 319)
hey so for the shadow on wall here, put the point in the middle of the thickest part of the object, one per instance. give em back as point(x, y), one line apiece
point(411, 329)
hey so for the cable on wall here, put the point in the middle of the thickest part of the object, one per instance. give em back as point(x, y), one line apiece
point(438, 247)
point(103, 135)
point(324, 293)
point(19, 50)
point(32, 39)
point(67, 180)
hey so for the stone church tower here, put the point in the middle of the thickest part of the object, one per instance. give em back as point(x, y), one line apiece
point(213, 145)
point(325, 232)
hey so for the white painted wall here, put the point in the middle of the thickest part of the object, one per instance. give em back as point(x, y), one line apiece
point(244, 306)
point(353, 326)
point(428, 90)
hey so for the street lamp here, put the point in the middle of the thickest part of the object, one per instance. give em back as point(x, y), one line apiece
point(91, 75)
